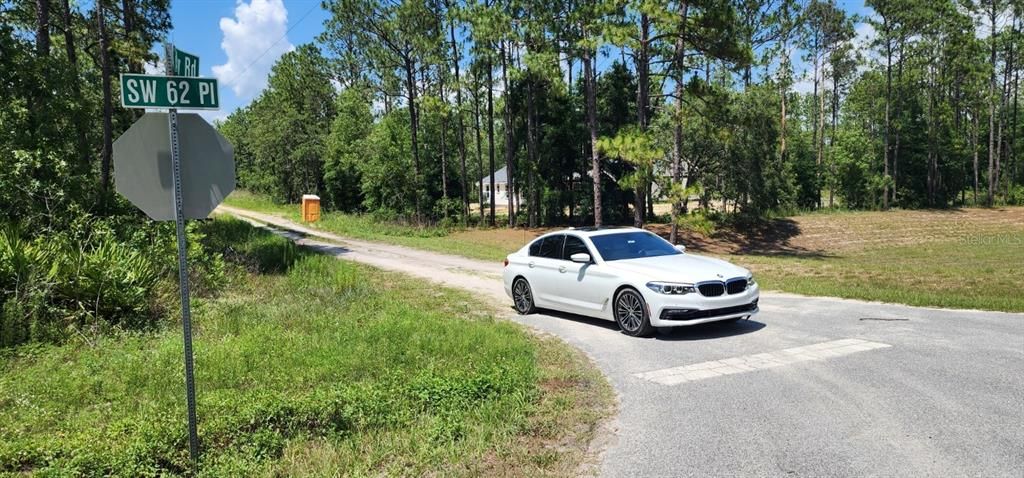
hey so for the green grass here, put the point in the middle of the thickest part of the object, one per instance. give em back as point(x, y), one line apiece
point(315, 366)
point(947, 273)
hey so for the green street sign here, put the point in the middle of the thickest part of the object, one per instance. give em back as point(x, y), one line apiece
point(149, 91)
point(185, 64)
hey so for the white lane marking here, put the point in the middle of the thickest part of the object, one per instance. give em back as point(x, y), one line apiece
point(749, 363)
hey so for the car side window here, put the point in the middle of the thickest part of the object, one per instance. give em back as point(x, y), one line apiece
point(573, 245)
point(552, 247)
point(535, 247)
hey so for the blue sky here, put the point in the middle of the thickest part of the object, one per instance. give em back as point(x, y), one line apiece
point(239, 40)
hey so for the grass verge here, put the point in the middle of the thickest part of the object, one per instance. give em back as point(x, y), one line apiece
point(309, 367)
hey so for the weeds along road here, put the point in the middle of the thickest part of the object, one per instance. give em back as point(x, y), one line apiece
point(810, 387)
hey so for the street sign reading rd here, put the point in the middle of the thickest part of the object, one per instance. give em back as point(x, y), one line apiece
point(148, 91)
point(185, 64)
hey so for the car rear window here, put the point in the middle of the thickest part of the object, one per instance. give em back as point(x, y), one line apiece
point(550, 247)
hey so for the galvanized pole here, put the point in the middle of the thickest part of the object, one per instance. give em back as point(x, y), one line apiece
point(186, 313)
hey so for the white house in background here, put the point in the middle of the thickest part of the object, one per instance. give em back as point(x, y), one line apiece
point(500, 187)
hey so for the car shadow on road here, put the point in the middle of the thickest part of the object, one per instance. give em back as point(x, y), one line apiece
point(711, 330)
point(606, 324)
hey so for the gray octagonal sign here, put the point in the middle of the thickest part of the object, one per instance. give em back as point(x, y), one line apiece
point(142, 166)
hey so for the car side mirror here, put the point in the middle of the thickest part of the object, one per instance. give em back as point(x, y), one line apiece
point(681, 248)
point(581, 257)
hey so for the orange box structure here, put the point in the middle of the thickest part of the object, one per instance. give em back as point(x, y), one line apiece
point(310, 208)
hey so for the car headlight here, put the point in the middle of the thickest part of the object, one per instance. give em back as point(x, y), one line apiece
point(671, 288)
point(750, 281)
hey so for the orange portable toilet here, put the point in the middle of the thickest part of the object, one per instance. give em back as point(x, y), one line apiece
point(310, 208)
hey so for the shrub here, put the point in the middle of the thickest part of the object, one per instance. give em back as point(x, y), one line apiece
point(1015, 196)
point(94, 275)
point(697, 221)
point(256, 250)
point(50, 287)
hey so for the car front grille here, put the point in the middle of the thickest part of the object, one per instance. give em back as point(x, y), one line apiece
point(711, 289)
point(715, 289)
point(735, 286)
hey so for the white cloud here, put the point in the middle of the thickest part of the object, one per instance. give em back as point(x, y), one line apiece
point(155, 68)
point(804, 85)
point(865, 35)
point(253, 41)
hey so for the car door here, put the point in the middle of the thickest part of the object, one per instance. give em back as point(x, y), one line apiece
point(543, 265)
point(581, 288)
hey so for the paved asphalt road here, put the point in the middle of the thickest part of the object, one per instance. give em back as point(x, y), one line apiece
point(916, 392)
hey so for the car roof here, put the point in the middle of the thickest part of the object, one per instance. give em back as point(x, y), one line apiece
point(591, 231)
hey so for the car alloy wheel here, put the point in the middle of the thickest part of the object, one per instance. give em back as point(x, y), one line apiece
point(631, 314)
point(522, 297)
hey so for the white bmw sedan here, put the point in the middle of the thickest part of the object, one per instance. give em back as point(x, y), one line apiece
point(628, 275)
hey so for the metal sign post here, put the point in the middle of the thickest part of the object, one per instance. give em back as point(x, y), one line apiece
point(186, 313)
point(201, 168)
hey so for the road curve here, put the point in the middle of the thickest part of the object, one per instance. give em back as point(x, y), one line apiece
point(811, 387)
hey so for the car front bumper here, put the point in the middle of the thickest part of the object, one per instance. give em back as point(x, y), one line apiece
point(668, 310)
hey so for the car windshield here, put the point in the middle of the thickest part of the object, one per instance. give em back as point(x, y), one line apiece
point(631, 245)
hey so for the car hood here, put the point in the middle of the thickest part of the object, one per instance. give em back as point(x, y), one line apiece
point(679, 268)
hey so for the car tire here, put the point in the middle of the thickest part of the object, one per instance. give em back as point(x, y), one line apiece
point(522, 297)
point(630, 311)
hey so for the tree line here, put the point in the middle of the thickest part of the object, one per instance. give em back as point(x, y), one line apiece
point(599, 109)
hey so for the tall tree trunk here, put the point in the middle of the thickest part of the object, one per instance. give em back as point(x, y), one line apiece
point(992, 108)
point(444, 131)
point(479, 146)
point(974, 142)
point(643, 88)
point(507, 113)
point(1012, 142)
point(531, 151)
point(888, 101)
point(410, 85)
point(783, 89)
point(134, 64)
point(462, 129)
point(108, 107)
point(817, 132)
point(532, 138)
point(595, 159)
point(678, 63)
point(832, 139)
point(821, 136)
point(490, 131)
point(81, 144)
point(42, 28)
point(896, 131)
point(1004, 94)
point(930, 121)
